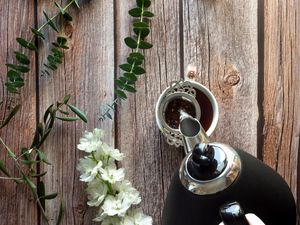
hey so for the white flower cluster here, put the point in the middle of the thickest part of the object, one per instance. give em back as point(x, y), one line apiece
point(107, 188)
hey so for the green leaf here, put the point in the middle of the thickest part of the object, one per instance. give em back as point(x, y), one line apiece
point(145, 45)
point(143, 3)
point(29, 182)
point(78, 112)
point(129, 88)
point(76, 3)
point(37, 33)
point(68, 119)
point(143, 32)
point(50, 22)
point(61, 40)
point(148, 14)
point(11, 114)
point(134, 61)
point(49, 196)
point(140, 25)
point(130, 42)
point(66, 99)
point(136, 12)
point(62, 11)
point(41, 192)
point(119, 83)
point(19, 68)
point(13, 75)
point(57, 52)
point(11, 88)
point(136, 55)
point(130, 76)
point(61, 212)
point(26, 44)
point(38, 174)
point(42, 157)
point(121, 94)
point(3, 168)
point(138, 70)
point(126, 67)
point(22, 58)
point(9, 151)
point(123, 79)
point(67, 16)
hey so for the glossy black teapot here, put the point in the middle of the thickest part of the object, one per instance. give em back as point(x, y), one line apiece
point(217, 183)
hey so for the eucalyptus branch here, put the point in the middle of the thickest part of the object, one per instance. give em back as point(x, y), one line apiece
point(16, 72)
point(133, 68)
point(33, 156)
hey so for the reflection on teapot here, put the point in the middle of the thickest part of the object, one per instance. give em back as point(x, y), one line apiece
point(215, 178)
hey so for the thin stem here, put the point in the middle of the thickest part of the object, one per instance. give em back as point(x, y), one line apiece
point(136, 50)
point(11, 178)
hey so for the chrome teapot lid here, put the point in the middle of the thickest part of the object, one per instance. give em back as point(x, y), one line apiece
point(209, 167)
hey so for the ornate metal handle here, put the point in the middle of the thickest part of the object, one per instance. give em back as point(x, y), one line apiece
point(233, 214)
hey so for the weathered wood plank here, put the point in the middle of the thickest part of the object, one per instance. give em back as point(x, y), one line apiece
point(17, 204)
point(281, 106)
point(149, 162)
point(87, 74)
point(220, 39)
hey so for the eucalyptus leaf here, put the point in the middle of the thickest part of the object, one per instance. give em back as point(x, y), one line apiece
point(129, 88)
point(130, 77)
point(126, 67)
point(137, 55)
point(41, 192)
point(22, 58)
point(136, 12)
point(130, 42)
point(3, 168)
point(37, 33)
point(62, 11)
point(19, 68)
point(143, 3)
point(134, 61)
point(61, 212)
point(26, 44)
point(148, 14)
point(68, 119)
point(29, 182)
point(66, 99)
point(49, 196)
point(143, 32)
point(11, 114)
point(145, 45)
point(38, 175)
point(138, 70)
point(67, 16)
point(140, 25)
point(50, 22)
point(121, 94)
point(78, 112)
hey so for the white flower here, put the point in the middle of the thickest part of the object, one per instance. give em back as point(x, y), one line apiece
point(97, 191)
point(112, 152)
point(128, 193)
point(91, 140)
point(113, 206)
point(136, 217)
point(111, 221)
point(112, 175)
point(88, 168)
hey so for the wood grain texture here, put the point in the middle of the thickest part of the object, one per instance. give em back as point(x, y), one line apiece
point(149, 162)
point(15, 18)
point(87, 74)
point(281, 106)
point(220, 39)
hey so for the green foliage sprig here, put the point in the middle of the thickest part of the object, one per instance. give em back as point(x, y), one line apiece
point(134, 66)
point(33, 157)
point(15, 73)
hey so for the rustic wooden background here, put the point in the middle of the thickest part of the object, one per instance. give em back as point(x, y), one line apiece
point(246, 52)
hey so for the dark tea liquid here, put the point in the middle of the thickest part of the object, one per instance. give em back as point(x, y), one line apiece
point(172, 113)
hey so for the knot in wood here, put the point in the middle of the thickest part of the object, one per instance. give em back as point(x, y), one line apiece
point(80, 209)
point(232, 78)
point(68, 29)
point(191, 74)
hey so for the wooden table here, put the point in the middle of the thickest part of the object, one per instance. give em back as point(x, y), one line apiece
point(246, 52)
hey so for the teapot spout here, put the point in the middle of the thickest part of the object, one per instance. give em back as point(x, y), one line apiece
point(192, 131)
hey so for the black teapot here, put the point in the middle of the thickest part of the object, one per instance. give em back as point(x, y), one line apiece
point(217, 183)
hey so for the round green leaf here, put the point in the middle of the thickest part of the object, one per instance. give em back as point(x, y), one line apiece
point(136, 12)
point(130, 42)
